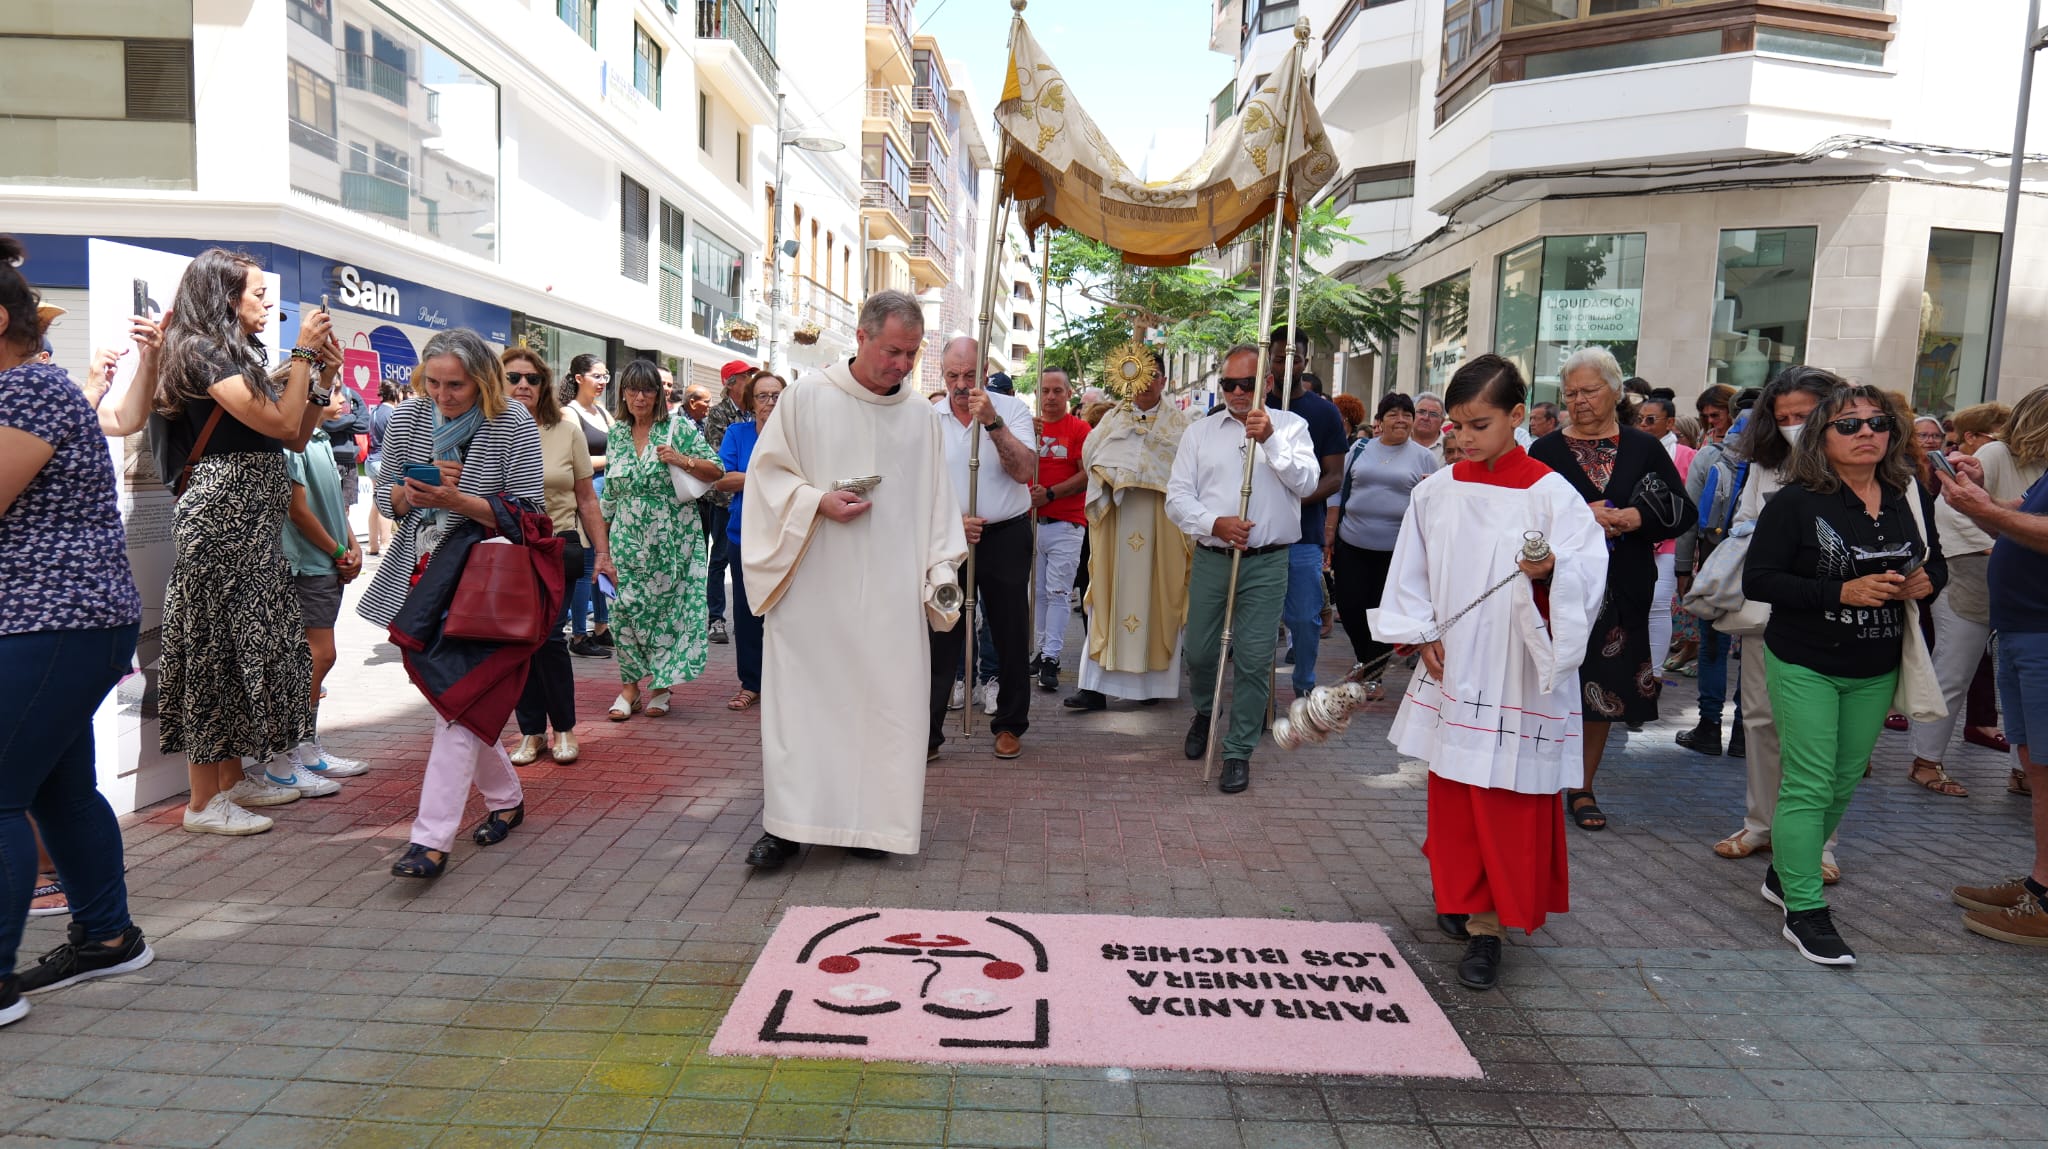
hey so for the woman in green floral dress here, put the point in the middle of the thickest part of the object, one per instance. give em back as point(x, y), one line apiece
point(660, 616)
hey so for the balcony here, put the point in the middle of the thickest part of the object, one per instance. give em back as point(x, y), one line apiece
point(367, 73)
point(879, 196)
point(885, 105)
point(1372, 66)
point(728, 20)
point(888, 40)
point(937, 176)
point(823, 306)
point(375, 195)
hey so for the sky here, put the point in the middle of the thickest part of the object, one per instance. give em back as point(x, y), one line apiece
point(1142, 68)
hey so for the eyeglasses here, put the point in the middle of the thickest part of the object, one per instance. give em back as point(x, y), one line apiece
point(1236, 383)
point(1878, 424)
point(515, 378)
point(769, 399)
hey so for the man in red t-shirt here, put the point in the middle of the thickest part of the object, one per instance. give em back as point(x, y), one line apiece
point(1057, 500)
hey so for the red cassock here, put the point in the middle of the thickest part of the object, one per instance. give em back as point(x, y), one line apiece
point(1497, 850)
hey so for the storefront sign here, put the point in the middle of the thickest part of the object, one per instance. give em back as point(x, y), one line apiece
point(363, 294)
point(360, 289)
point(1590, 317)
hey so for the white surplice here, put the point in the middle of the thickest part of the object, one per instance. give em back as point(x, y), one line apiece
point(845, 661)
point(1507, 715)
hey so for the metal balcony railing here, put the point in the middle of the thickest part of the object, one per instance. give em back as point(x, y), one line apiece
point(823, 306)
point(728, 20)
point(895, 14)
point(931, 245)
point(935, 175)
point(878, 193)
point(884, 104)
point(364, 192)
point(367, 73)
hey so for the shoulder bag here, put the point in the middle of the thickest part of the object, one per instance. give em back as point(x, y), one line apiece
point(1716, 596)
point(497, 599)
point(1918, 695)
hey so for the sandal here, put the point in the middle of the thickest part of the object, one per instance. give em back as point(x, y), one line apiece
point(50, 889)
point(623, 707)
point(419, 862)
point(1588, 816)
point(497, 825)
point(2016, 783)
point(1739, 845)
point(1830, 873)
point(1939, 782)
point(744, 700)
point(657, 704)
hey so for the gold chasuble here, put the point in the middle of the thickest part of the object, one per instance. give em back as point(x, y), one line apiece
point(1137, 599)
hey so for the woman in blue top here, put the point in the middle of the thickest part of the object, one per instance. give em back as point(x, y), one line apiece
point(735, 451)
point(67, 635)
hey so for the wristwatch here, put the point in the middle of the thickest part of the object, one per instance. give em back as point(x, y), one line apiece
point(995, 426)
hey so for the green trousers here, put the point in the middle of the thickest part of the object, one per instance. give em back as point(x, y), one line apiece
point(1827, 728)
point(1261, 589)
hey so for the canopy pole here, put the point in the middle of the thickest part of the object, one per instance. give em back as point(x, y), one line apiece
point(1218, 722)
point(1287, 404)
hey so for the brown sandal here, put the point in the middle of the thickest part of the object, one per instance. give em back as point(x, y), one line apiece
point(1939, 782)
point(744, 700)
point(2016, 783)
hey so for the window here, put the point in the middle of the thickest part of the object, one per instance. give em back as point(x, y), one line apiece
point(1820, 46)
point(312, 110)
point(1762, 292)
point(581, 17)
point(1376, 185)
point(1469, 25)
point(646, 65)
point(358, 157)
point(1445, 305)
point(632, 229)
point(314, 16)
point(433, 207)
point(393, 164)
point(675, 273)
point(704, 122)
point(717, 276)
point(1627, 54)
point(739, 158)
point(1566, 292)
point(1955, 321)
point(390, 67)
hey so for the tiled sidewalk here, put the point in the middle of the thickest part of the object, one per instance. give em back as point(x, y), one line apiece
point(559, 989)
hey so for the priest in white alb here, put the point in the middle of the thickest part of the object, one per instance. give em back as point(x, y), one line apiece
point(847, 574)
point(1137, 600)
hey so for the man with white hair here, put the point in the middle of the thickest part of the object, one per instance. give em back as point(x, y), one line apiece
point(999, 530)
point(1429, 423)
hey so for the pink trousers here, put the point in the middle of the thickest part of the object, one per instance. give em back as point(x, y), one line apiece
point(458, 759)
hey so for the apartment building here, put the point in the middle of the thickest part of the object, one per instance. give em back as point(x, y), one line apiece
point(1715, 189)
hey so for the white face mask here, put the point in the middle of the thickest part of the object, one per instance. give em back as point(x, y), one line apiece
point(1791, 432)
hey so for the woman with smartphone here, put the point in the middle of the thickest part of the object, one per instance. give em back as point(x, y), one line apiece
point(443, 454)
point(662, 618)
point(1837, 554)
point(583, 400)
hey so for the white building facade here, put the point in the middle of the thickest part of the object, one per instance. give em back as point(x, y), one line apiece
point(1715, 190)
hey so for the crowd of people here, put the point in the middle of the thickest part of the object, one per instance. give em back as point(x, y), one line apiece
point(1540, 566)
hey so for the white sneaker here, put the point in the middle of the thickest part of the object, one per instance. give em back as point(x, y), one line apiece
point(307, 783)
point(258, 791)
point(326, 763)
point(989, 690)
point(222, 816)
point(959, 699)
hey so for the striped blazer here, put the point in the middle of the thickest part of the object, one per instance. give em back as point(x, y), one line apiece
point(503, 459)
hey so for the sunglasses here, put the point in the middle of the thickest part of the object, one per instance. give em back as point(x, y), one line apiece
point(515, 378)
point(1235, 383)
point(1878, 424)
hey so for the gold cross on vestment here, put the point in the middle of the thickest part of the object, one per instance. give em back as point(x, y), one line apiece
point(1136, 542)
point(1131, 623)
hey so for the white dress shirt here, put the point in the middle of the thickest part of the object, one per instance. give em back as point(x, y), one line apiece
point(1208, 478)
point(999, 496)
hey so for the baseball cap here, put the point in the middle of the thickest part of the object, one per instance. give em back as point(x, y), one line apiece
point(1000, 384)
point(736, 367)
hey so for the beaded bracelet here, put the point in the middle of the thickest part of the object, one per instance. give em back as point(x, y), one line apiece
point(306, 353)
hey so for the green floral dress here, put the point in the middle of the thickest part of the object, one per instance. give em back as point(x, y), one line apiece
point(660, 616)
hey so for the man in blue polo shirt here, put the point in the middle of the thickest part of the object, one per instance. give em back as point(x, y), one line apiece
point(1303, 610)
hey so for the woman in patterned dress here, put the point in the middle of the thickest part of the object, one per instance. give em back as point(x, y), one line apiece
point(236, 668)
point(661, 615)
point(1636, 492)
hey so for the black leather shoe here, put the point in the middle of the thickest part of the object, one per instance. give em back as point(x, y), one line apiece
point(497, 825)
point(419, 862)
point(1198, 737)
point(1738, 742)
point(1453, 926)
point(1086, 700)
point(770, 852)
point(1480, 968)
point(1702, 739)
point(867, 853)
point(1048, 675)
point(1237, 774)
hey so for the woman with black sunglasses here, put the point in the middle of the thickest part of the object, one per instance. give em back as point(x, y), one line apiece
point(1838, 553)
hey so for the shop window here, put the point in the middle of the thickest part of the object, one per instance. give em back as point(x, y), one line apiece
point(646, 65)
point(424, 127)
point(1445, 306)
point(1763, 288)
point(1564, 292)
point(1955, 320)
point(632, 229)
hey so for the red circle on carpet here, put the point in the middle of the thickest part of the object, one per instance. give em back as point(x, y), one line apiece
point(1002, 970)
point(839, 963)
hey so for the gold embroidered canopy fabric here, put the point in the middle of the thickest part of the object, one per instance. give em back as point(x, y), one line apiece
point(1063, 173)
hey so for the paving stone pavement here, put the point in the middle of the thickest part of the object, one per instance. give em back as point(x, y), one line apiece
point(559, 989)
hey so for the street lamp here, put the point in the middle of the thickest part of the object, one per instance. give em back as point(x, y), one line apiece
point(784, 137)
point(2001, 294)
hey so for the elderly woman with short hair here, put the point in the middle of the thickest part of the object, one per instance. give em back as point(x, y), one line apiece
point(483, 444)
point(1637, 494)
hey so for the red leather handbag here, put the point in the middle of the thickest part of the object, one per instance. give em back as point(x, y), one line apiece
point(498, 597)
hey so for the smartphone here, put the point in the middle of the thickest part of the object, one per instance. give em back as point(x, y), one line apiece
point(141, 298)
point(323, 303)
point(424, 474)
point(1939, 461)
point(606, 587)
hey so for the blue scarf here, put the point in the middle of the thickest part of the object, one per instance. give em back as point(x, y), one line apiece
point(451, 440)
